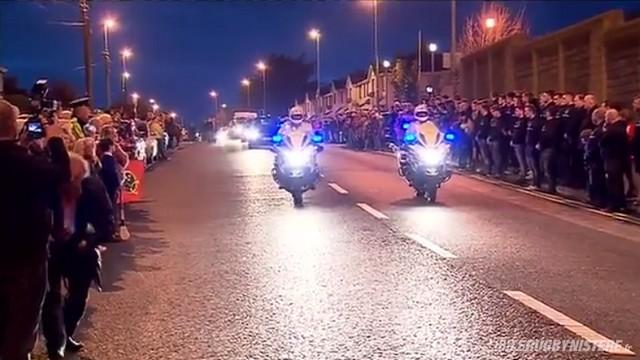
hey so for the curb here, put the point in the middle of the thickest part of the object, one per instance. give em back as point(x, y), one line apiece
point(553, 198)
point(541, 195)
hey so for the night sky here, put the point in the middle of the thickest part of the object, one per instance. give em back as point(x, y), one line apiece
point(183, 49)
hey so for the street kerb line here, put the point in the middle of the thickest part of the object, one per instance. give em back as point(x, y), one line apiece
point(373, 212)
point(339, 189)
point(431, 246)
point(605, 344)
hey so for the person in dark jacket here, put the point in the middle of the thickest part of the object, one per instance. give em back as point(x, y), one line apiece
point(518, 137)
point(28, 195)
point(596, 180)
point(532, 138)
point(615, 154)
point(550, 140)
point(483, 121)
point(109, 169)
point(495, 140)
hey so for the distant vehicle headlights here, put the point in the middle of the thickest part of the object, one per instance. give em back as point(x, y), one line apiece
point(252, 134)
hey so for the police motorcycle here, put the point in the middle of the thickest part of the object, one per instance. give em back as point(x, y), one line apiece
point(296, 146)
point(422, 157)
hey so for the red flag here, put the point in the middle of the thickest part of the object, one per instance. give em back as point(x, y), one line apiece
point(132, 184)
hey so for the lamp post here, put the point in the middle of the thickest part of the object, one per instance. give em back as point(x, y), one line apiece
point(108, 24)
point(386, 64)
point(263, 68)
point(125, 54)
point(432, 49)
point(86, 41)
point(314, 34)
point(375, 48)
point(214, 96)
point(246, 83)
point(135, 98)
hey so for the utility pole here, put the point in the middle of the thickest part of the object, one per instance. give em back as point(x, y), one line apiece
point(86, 40)
point(419, 62)
point(454, 70)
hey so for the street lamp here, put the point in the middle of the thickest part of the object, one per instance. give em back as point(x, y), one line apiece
point(125, 54)
point(214, 96)
point(173, 115)
point(135, 98)
point(155, 107)
point(314, 34)
point(108, 24)
point(263, 68)
point(386, 64)
point(432, 49)
point(490, 23)
point(224, 106)
point(126, 75)
point(152, 101)
point(246, 83)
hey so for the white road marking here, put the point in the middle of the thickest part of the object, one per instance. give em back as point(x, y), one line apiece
point(431, 246)
point(373, 212)
point(605, 344)
point(339, 189)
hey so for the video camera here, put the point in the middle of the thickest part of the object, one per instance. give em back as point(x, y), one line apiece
point(42, 108)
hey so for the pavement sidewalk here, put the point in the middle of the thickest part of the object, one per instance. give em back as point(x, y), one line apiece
point(566, 196)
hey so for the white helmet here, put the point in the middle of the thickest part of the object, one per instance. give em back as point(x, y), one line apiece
point(296, 115)
point(421, 113)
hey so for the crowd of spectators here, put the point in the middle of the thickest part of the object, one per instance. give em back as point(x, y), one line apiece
point(60, 193)
point(555, 138)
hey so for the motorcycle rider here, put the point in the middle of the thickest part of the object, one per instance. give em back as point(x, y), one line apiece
point(295, 126)
point(423, 130)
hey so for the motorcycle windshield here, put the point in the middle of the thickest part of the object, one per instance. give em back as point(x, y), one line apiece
point(297, 140)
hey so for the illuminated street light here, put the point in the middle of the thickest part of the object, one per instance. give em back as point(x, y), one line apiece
point(155, 107)
point(214, 96)
point(152, 101)
point(173, 115)
point(263, 68)
point(386, 64)
point(314, 34)
point(224, 106)
point(126, 53)
point(246, 83)
point(135, 96)
point(433, 48)
point(126, 75)
point(108, 25)
point(490, 23)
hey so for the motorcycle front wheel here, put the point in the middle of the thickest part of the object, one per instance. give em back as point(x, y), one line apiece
point(297, 198)
point(431, 194)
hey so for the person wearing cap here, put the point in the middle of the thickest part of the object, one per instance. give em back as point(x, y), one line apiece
point(81, 116)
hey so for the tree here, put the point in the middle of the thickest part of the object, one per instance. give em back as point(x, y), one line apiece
point(494, 23)
point(405, 79)
point(287, 78)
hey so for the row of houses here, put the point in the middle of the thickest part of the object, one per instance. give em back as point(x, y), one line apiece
point(358, 88)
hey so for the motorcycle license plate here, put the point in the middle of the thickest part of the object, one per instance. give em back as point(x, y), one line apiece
point(297, 173)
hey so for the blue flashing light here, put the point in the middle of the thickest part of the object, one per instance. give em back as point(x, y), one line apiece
point(317, 138)
point(410, 138)
point(276, 138)
point(405, 126)
point(450, 136)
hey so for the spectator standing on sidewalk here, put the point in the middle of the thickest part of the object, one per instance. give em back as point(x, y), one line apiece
point(596, 181)
point(615, 153)
point(495, 140)
point(518, 137)
point(484, 121)
point(550, 140)
point(28, 198)
point(532, 138)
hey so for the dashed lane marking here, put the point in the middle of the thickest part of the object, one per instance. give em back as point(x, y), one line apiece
point(339, 189)
point(373, 212)
point(431, 246)
point(605, 344)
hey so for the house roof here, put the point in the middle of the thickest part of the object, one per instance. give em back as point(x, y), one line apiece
point(358, 76)
point(340, 83)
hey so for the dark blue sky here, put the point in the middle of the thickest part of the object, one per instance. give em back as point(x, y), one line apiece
point(183, 49)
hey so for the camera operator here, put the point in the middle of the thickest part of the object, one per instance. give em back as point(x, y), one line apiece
point(29, 214)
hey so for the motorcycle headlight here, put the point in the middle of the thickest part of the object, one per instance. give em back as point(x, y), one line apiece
point(252, 134)
point(297, 158)
point(432, 157)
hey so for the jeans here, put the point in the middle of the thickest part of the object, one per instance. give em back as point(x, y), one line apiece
point(518, 149)
point(533, 162)
point(22, 290)
point(496, 155)
point(548, 158)
point(485, 154)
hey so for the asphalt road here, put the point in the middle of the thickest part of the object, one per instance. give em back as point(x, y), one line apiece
point(221, 266)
